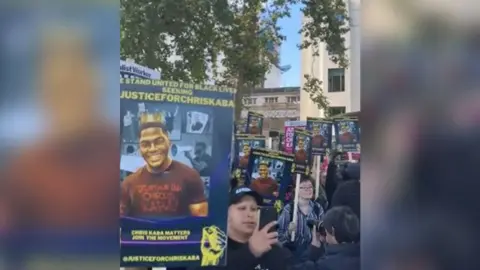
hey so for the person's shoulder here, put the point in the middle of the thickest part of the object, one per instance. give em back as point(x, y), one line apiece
point(287, 207)
point(134, 177)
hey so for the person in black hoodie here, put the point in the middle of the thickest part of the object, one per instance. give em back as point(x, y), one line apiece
point(342, 251)
point(348, 194)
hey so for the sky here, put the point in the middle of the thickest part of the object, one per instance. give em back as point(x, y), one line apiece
point(289, 53)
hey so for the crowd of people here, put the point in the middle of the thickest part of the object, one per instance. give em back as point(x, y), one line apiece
point(326, 232)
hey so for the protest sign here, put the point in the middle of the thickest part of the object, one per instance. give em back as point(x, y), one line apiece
point(302, 143)
point(270, 174)
point(240, 126)
point(129, 69)
point(347, 137)
point(243, 145)
point(288, 134)
point(174, 151)
point(321, 135)
point(254, 123)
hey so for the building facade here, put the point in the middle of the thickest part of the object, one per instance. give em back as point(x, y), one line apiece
point(277, 105)
point(341, 86)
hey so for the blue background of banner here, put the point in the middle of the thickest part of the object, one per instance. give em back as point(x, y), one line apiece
point(218, 191)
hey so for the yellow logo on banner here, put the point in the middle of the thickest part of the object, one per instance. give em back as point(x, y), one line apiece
point(212, 245)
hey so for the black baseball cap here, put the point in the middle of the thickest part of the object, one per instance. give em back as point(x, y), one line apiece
point(238, 193)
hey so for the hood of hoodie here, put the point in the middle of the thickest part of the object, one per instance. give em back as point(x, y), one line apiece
point(351, 172)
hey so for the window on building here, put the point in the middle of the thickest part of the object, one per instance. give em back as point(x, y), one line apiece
point(336, 80)
point(250, 101)
point(271, 100)
point(293, 99)
point(332, 111)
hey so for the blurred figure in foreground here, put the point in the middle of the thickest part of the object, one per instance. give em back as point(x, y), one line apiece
point(421, 106)
point(62, 179)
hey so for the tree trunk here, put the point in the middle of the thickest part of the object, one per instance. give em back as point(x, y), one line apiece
point(239, 97)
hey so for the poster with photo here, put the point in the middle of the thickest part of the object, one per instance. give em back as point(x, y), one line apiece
point(240, 126)
point(321, 130)
point(270, 174)
point(289, 128)
point(254, 124)
point(173, 165)
point(243, 145)
point(302, 143)
point(347, 135)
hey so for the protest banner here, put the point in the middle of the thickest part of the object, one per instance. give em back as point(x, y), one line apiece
point(243, 145)
point(129, 69)
point(270, 174)
point(321, 130)
point(254, 123)
point(302, 143)
point(347, 135)
point(175, 155)
point(288, 134)
point(240, 126)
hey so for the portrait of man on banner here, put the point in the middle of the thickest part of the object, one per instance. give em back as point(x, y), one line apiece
point(163, 187)
point(270, 174)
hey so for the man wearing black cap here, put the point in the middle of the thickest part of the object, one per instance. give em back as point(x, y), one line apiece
point(250, 247)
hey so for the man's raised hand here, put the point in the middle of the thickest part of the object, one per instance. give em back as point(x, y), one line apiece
point(262, 241)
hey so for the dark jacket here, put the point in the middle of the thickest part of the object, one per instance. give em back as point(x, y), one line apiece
point(340, 257)
point(347, 194)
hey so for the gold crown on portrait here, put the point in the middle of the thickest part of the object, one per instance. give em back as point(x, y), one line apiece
point(156, 117)
point(264, 162)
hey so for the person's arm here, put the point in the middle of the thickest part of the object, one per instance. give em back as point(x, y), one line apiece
point(283, 223)
point(125, 201)
point(198, 165)
point(314, 252)
point(198, 204)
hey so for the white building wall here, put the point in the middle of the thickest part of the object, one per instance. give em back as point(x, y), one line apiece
point(318, 67)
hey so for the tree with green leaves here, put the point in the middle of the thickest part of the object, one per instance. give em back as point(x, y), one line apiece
point(227, 41)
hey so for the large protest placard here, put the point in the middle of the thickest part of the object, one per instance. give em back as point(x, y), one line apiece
point(321, 130)
point(240, 126)
point(243, 145)
point(302, 143)
point(270, 174)
point(347, 134)
point(254, 124)
point(288, 134)
point(175, 146)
